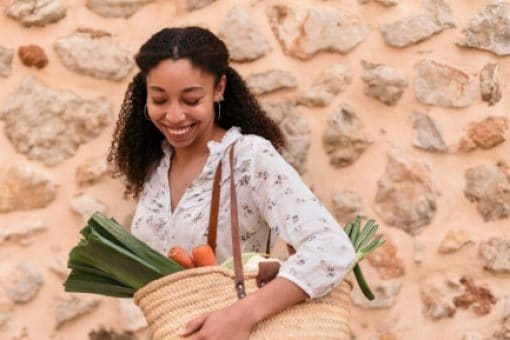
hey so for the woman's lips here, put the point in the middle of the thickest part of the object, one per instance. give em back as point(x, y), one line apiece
point(180, 133)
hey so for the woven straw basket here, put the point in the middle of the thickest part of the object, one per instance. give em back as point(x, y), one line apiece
point(169, 303)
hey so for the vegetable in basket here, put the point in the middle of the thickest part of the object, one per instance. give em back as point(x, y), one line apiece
point(110, 261)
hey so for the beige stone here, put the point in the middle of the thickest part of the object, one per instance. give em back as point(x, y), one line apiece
point(6, 56)
point(303, 32)
point(443, 85)
point(24, 187)
point(244, 40)
point(49, 125)
point(434, 17)
point(383, 82)
point(116, 8)
point(269, 81)
point(489, 29)
point(454, 240)
point(487, 186)
point(72, 306)
point(428, 136)
point(489, 83)
point(344, 138)
point(94, 55)
point(406, 195)
point(36, 12)
point(386, 261)
point(326, 85)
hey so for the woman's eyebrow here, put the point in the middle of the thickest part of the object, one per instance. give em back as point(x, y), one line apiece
point(156, 88)
point(192, 88)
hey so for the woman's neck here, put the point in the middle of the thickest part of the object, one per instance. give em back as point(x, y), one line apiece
point(198, 150)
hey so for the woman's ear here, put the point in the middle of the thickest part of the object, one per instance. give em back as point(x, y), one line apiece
point(220, 88)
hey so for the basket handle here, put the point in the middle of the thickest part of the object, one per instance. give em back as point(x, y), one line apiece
point(213, 223)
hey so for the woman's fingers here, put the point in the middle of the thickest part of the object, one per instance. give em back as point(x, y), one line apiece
point(194, 325)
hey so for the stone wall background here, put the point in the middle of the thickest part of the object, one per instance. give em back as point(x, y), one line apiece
point(390, 116)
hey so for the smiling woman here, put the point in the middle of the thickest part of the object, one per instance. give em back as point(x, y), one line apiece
point(181, 116)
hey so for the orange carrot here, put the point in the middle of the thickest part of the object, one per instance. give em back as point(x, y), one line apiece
point(181, 256)
point(203, 256)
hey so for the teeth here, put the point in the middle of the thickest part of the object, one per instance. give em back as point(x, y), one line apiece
point(180, 131)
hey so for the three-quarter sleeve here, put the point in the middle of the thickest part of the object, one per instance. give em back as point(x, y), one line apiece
point(324, 252)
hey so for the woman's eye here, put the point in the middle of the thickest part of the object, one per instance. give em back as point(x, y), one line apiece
point(159, 102)
point(192, 102)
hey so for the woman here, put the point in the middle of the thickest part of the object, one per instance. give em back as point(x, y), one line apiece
point(180, 114)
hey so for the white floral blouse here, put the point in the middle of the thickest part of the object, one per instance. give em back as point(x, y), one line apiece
point(270, 194)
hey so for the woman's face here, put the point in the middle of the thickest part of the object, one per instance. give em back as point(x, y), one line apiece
point(180, 102)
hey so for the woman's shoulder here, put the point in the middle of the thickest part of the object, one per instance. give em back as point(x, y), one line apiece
point(254, 144)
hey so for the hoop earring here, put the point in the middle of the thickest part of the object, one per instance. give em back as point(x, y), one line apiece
point(219, 107)
point(146, 113)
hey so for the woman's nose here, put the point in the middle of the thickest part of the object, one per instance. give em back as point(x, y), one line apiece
point(175, 114)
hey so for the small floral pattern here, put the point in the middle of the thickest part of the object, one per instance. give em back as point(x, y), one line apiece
point(270, 194)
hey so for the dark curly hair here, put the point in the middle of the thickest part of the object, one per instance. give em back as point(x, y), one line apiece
point(136, 146)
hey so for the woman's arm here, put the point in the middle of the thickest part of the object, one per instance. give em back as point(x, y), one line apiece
point(236, 321)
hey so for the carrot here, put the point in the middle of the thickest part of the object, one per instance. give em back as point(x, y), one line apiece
point(181, 256)
point(203, 256)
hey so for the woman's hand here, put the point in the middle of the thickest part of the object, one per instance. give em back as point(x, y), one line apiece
point(229, 323)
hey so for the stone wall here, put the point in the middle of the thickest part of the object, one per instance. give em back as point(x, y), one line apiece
point(396, 110)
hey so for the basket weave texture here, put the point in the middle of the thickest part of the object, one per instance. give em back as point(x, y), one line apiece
point(169, 303)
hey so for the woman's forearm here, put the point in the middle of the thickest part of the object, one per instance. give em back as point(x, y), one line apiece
point(272, 298)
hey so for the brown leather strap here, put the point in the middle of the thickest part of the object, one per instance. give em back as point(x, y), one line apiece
point(215, 206)
point(236, 237)
point(213, 223)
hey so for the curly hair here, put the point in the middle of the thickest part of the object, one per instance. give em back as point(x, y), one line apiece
point(136, 145)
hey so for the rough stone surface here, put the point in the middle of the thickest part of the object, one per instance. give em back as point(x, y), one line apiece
point(437, 303)
point(36, 12)
point(303, 32)
point(109, 334)
point(33, 55)
point(489, 186)
point(95, 54)
point(489, 29)
point(504, 332)
point(6, 308)
point(131, 315)
point(434, 17)
point(454, 240)
point(406, 196)
point(49, 125)
point(91, 171)
point(428, 136)
point(116, 8)
point(385, 293)
point(479, 299)
point(328, 83)
point(269, 81)
point(193, 5)
point(443, 85)
point(244, 40)
point(386, 3)
point(495, 253)
point(485, 134)
point(295, 129)
point(25, 188)
point(71, 306)
point(344, 138)
point(58, 265)
point(386, 261)
point(383, 82)
point(419, 249)
point(22, 234)
point(489, 84)
point(23, 282)
point(472, 336)
point(347, 205)
point(86, 204)
point(6, 56)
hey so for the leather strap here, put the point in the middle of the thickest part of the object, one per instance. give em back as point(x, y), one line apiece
point(215, 206)
point(213, 223)
point(236, 237)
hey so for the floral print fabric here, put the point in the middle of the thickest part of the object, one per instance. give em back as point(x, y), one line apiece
point(270, 194)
